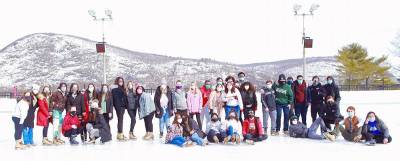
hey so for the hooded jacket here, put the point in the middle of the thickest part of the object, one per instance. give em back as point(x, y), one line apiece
point(380, 125)
point(332, 90)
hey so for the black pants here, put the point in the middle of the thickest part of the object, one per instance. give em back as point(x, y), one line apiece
point(107, 119)
point(378, 138)
point(120, 116)
point(148, 122)
point(83, 131)
point(18, 128)
point(315, 109)
point(255, 138)
point(73, 132)
point(220, 135)
point(182, 112)
point(328, 123)
point(46, 129)
point(197, 118)
point(132, 115)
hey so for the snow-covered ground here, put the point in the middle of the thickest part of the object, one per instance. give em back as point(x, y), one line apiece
point(385, 103)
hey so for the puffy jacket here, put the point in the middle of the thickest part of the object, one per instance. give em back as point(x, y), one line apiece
point(195, 102)
point(205, 95)
point(119, 98)
point(68, 122)
point(331, 112)
point(43, 114)
point(258, 126)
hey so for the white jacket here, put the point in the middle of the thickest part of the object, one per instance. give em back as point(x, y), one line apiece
point(236, 125)
point(21, 110)
point(231, 101)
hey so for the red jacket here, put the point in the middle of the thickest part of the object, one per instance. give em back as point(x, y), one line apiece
point(42, 115)
point(300, 92)
point(258, 127)
point(68, 122)
point(87, 111)
point(205, 94)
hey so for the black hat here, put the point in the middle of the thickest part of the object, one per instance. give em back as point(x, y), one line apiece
point(241, 73)
point(282, 77)
point(294, 117)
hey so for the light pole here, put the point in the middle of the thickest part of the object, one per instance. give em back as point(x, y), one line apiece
point(296, 9)
point(108, 17)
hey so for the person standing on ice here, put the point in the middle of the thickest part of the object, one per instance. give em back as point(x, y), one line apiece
point(299, 88)
point(331, 89)
point(106, 104)
point(43, 114)
point(315, 97)
point(195, 102)
point(216, 102)
point(241, 79)
point(232, 98)
point(299, 130)
point(206, 90)
point(71, 127)
point(164, 107)
point(58, 101)
point(249, 98)
point(30, 118)
point(375, 130)
point(120, 103)
point(132, 108)
point(76, 99)
point(349, 128)
point(179, 99)
point(284, 99)
point(18, 117)
point(89, 95)
point(269, 107)
point(146, 111)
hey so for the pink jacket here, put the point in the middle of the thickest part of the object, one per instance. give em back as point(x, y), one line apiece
point(195, 102)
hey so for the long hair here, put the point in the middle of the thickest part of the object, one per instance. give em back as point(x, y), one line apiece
point(70, 88)
point(251, 87)
point(61, 84)
point(123, 84)
point(236, 116)
point(46, 86)
point(376, 117)
point(176, 119)
point(94, 93)
point(100, 96)
point(232, 90)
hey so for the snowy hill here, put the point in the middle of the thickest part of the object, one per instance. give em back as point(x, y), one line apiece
point(51, 58)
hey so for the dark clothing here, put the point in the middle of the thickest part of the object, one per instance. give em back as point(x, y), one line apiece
point(331, 114)
point(73, 132)
point(333, 90)
point(301, 110)
point(192, 125)
point(268, 99)
point(120, 117)
point(316, 94)
point(104, 130)
point(58, 101)
point(367, 132)
point(119, 98)
point(131, 96)
point(18, 128)
point(78, 102)
point(298, 130)
point(157, 97)
point(148, 122)
point(255, 138)
point(30, 117)
point(285, 110)
point(249, 102)
point(316, 109)
point(221, 135)
point(197, 118)
point(132, 114)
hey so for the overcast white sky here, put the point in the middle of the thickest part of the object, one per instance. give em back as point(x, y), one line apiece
point(237, 31)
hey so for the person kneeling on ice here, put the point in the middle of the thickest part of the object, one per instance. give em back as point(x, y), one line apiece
point(71, 126)
point(175, 133)
point(330, 112)
point(351, 131)
point(192, 131)
point(299, 130)
point(253, 129)
point(97, 126)
point(215, 129)
point(233, 128)
point(375, 131)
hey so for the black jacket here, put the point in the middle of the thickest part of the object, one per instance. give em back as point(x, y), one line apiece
point(268, 99)
point(298, 130)
point(249, 98)
point(316, 94)
point(157, 97)
point(131, 96)
point(104, 130)
point(119, 98)
point(78, 102)
point(331, 112)
point(30, 117)
point(332, 90)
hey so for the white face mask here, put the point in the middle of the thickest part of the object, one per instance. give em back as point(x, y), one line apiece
point(91, 88)
point(179, 120)
point(371, 119)
point(294, 122)
point(269, 86)
point(350, 114)
point(63, 89)
point(105, 89)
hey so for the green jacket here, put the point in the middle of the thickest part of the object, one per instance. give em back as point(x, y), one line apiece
point(283, 94)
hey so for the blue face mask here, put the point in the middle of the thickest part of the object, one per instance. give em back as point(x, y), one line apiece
point(330, 81)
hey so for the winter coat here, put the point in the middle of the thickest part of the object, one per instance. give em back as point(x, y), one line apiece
point(131, 97)
point(216, 126)
point(381, 126)
point(109, 103)
point(88, 98)
point(316, 94)
point(58, 101)
point(68, 122)
point(330, 112)
point(268, 99)
point(30, 117)
point(195, 102)
point(173, 131)
point(300, 92)
point(146, 103)
point(78, 102)
point(157, 99)
point(249, 99)
point(352, 124)
point(104, 130)
point(205, 95)
point(216, 102)
point(21, 110)
point(179, 100)
point(283, 94)
point(258, 126)
point(298, 130)
point(332, 90)
point(119, 98)
point(234, 99)
point(43, 115)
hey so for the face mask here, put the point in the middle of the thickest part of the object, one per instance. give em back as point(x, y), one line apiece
point(105, 89)
point(208, 86)
point(246, 87)
point(35, 91)
point(130, 86)
point(63, 89)
point(251, 116)
point(231, 116)
point(91, 89)
point(371, 119)
point(294, 122)
point(241, 78)
point(269, 86)
point(350, 114)
point(290, 82)
point(178, 87)
point(179, 120)
point(220, 83)
point(330, 81)
point(300, 81)
point(215, 119)
point(73, 113)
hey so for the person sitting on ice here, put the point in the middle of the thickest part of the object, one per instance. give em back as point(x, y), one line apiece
point(215, 129)
point(299, 130)
point(233, 128)
point(330, 113)
point(350, 128)
point(71, 126)
point(253, 129)
point(374, 130)
point(97, 126)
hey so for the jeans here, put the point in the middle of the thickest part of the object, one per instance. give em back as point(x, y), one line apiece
point(164, 120)
point(234, 108)
point(279, 109)
point(28, 135)
point(312, 131)
point(18, 128)
point(272, 115)
point(198, 120)
point(219, 134)
point(255, 138)
point(57, 123)
point(178, 140)
point(197, 139)
point(301, 110)
point(205, 113)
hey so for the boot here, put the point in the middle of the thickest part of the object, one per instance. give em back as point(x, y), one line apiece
point(274, 133)
point(226, 140)
point(132, 136)
point(46, 141)
point(145, 136)
point(61, 141)
point(19, 145)
point(329, 136)
point(238, 140)
point(121, 137)
point(215, 139)
point(72, 140)
point(150, 136)
point(92, 141)
point(286, 133)
point(161, 135)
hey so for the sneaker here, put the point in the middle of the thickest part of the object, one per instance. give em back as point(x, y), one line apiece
point(121, 137)
point(215, 139)
point(250, 142)
point(19, 145)
point(132, 136)
point(274, 133)
point(46, 141)
point(357, 138)
point(286, 133)
point(329, 136)
point(370, 143)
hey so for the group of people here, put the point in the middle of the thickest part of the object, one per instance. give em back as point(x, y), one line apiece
point(88, 112)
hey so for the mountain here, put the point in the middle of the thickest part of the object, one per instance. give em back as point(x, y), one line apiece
point(50, 58)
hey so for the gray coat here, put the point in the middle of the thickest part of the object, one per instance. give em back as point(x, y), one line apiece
point(147, 105)
point(131, 96)
point(298, 130)
point(179, 100)
point(268, 99)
